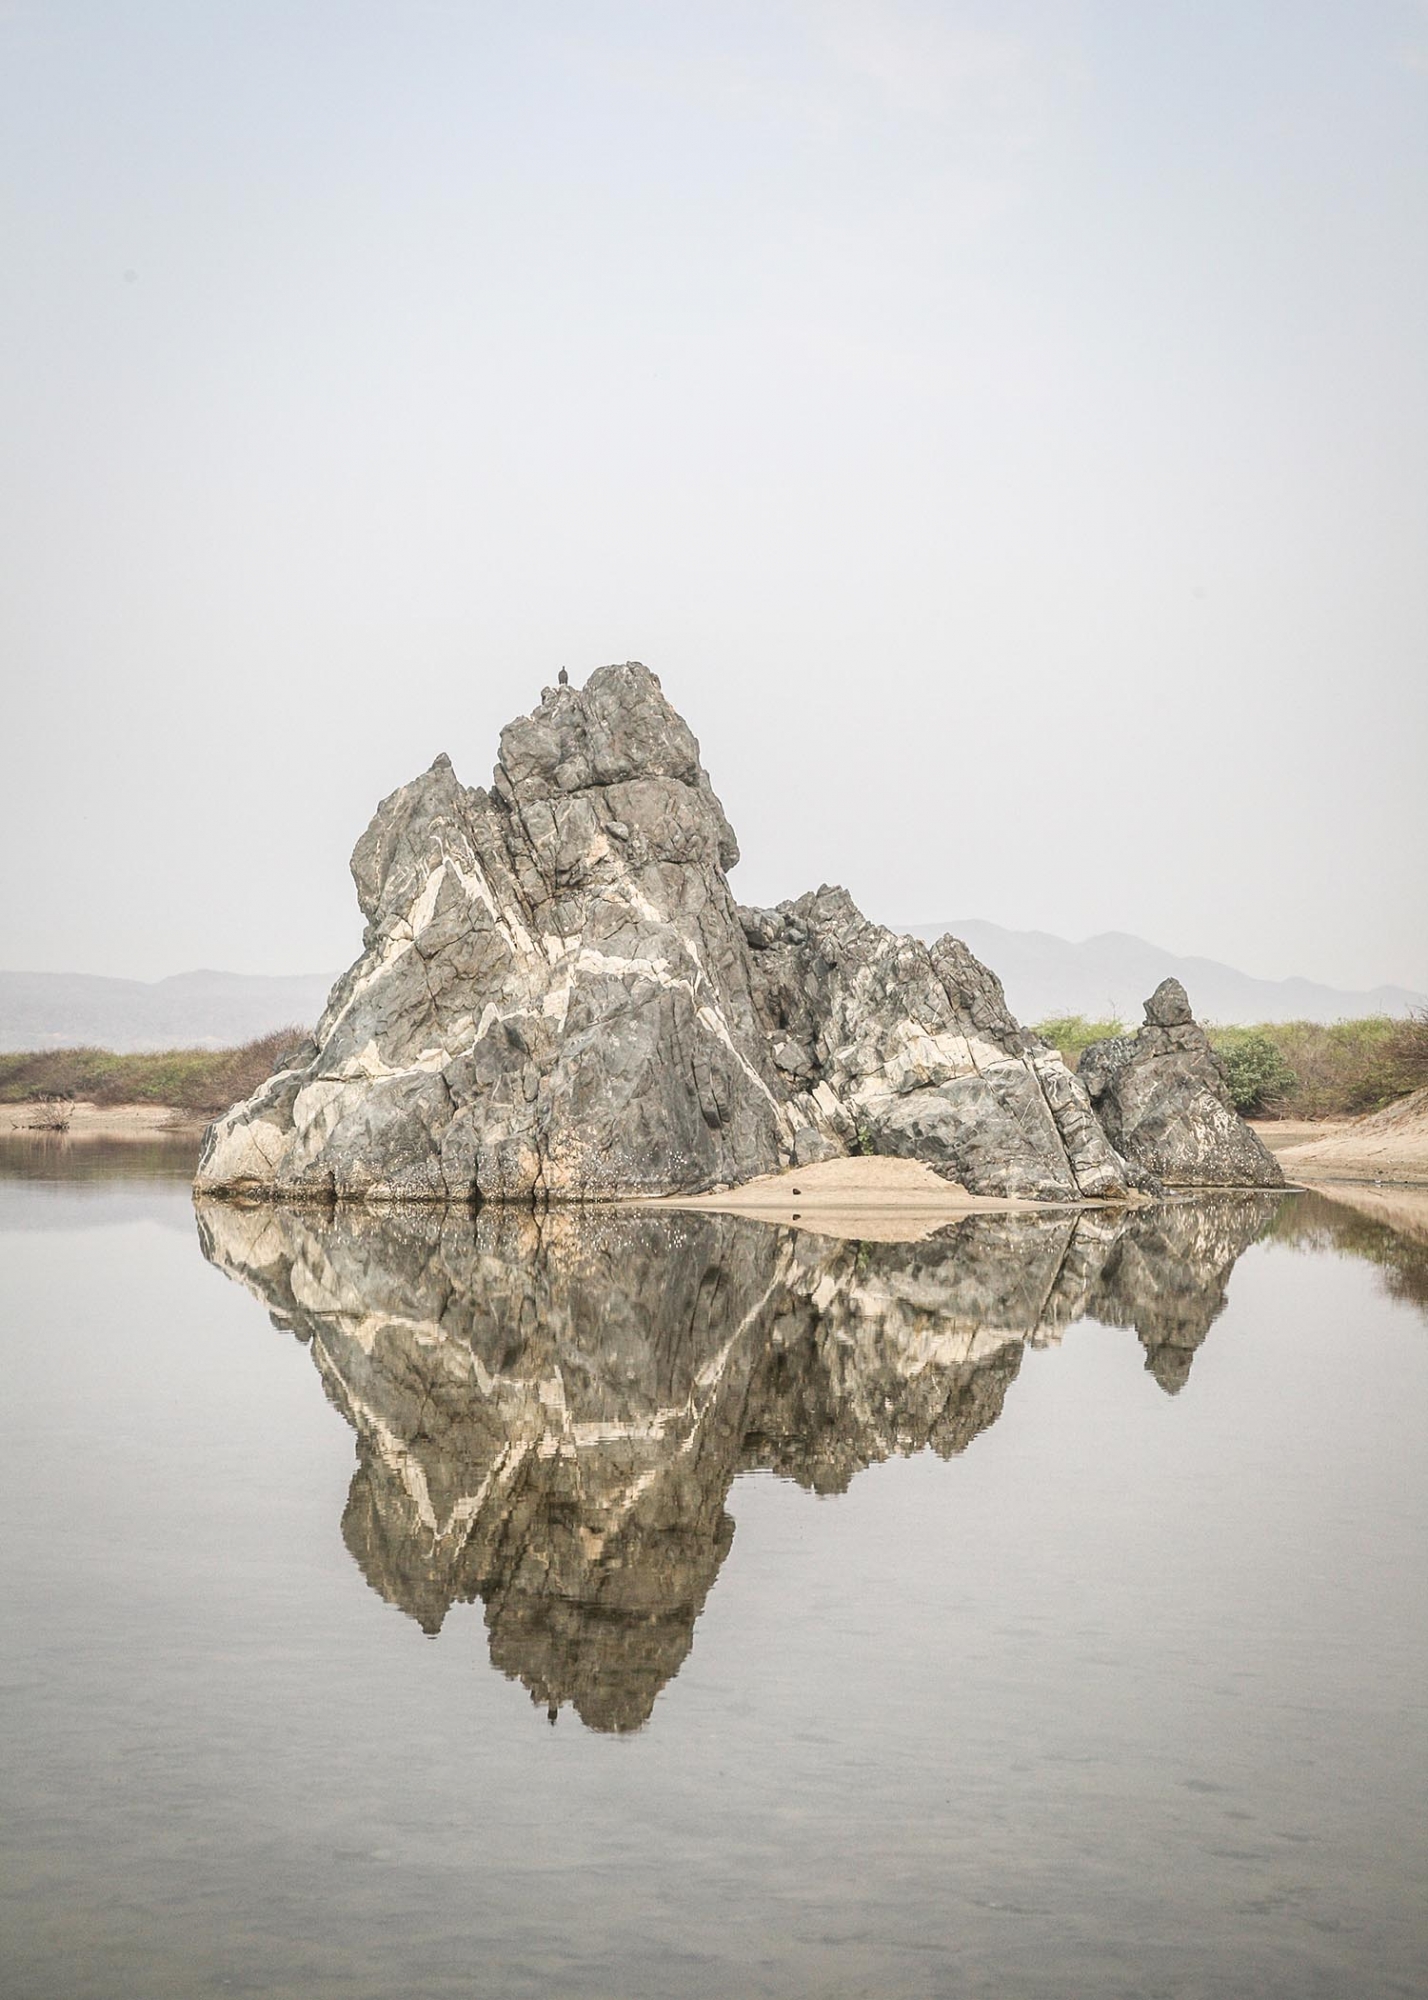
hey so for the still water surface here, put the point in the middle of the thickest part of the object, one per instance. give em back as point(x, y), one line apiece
point(669, 1605)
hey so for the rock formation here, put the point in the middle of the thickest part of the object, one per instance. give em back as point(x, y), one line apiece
point(553, 996)
point(558, 999)
point(1162, 1101)
point(550, 1405)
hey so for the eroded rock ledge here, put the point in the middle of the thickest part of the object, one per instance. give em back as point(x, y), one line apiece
point(559, 1000)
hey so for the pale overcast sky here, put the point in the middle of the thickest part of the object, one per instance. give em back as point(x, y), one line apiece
point(1003, 427)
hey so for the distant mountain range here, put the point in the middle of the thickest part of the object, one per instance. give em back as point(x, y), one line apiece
point(1102, 977)
point(194, 1010)
point(1111, 976)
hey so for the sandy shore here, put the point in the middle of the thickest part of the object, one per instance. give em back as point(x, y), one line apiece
point(104, 1121)
point(902, 1201)
point(1279, 1134)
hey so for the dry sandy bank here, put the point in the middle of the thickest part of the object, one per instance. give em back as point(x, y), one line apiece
point(104, 1121)
point(1388, 1145)
point(898, 1201)
point(1279, 1134)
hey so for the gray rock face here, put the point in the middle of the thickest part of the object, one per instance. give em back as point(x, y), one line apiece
point(1162, 1102)
point(890, 1045)
point(553, 997)
point(558, 999)
point(550, 1405)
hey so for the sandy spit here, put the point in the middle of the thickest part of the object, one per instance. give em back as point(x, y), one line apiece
point(878, 1200)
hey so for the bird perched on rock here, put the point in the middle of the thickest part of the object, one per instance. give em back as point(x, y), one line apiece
point(563, 678)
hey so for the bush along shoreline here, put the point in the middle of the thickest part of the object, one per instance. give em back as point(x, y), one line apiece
point(1276, 1069)
point(202, 1082)
point(1293, 1069)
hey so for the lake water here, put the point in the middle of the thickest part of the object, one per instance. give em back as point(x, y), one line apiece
point(664, 1605)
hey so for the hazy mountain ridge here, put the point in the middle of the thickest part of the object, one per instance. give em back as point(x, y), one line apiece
point(1112, 974)
point(207, 1010)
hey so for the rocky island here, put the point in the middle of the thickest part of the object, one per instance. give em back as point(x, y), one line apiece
point(558, 999)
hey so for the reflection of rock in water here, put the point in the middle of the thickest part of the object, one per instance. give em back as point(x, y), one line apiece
point(884, 1348)
point(1166, 1273)
point(549, 1409)
point(550, 1406)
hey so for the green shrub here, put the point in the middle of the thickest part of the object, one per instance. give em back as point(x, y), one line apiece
point(1341, 1068)
point(1406, 1051)
point(1293, 1069)
point(1073, 1034)
point(1255, 1070)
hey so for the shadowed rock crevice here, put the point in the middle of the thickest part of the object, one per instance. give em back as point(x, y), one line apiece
point(550, 1406)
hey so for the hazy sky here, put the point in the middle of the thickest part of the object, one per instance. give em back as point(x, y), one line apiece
point(1003, 427)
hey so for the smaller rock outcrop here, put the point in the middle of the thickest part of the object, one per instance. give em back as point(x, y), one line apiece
point(1161, 1097)
point(888, 1045)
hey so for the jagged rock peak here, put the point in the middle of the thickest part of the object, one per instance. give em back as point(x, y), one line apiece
point(553, 996)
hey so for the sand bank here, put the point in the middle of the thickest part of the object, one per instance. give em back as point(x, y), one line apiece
point(1279, 1134)
point(887, 1200)
point(1389, 1145)
point(103, 1121)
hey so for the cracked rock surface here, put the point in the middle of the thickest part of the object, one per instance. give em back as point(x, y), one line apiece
point(559, 1000)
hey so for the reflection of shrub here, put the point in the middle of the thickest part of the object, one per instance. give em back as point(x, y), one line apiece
point(1255, 1071)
